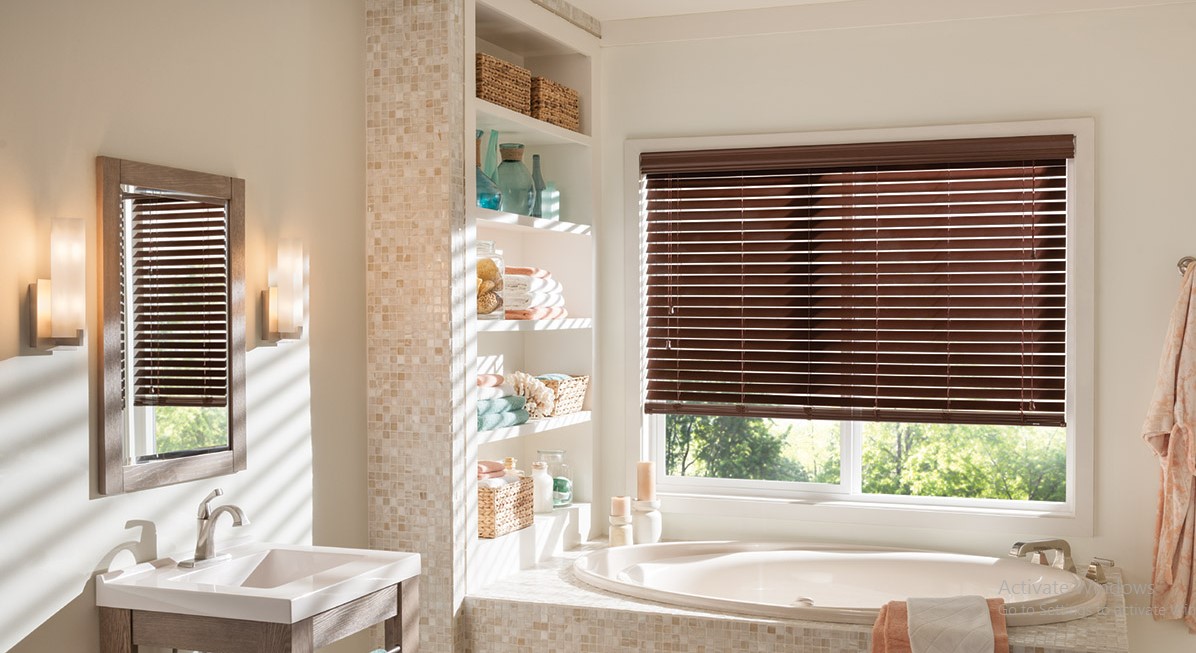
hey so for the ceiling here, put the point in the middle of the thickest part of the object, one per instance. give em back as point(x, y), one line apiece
point(605, 10)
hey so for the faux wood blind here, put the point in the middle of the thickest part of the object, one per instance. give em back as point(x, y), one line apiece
point(914, 281)
point(180, 302)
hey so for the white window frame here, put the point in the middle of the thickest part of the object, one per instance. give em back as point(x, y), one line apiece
point(829, 503)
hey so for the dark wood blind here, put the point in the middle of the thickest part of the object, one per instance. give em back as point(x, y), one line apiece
point(914, 281)
point(180, 302)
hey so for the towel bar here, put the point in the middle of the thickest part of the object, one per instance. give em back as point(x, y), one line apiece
point(1184, 263)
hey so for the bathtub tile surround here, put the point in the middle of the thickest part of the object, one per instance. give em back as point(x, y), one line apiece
point(545, 609)
point(415, 313)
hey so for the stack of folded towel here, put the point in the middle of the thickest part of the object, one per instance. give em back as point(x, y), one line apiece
point(958, 624)
point(498, 405)
point(532, 294)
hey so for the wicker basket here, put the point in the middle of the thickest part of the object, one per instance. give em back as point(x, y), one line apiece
point(504, 510)
point(504, 84)
point(568, 394)
point(556, 103)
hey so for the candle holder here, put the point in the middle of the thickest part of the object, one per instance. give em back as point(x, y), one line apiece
point(646, 521)
point(620, 530)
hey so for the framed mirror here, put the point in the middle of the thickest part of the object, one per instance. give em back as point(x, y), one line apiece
point(171, 300)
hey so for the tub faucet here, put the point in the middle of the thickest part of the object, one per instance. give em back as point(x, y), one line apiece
point(1038, 548)
point(205, 542)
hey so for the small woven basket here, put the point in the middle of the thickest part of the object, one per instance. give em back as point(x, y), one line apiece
point(504, 84)
point(556, 103)
point(504, 510)
point(568, 394)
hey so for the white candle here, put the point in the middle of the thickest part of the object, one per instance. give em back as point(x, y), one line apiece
point(620, 506)
point(646, 473)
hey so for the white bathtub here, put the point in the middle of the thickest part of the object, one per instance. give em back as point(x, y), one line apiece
point(843, 584)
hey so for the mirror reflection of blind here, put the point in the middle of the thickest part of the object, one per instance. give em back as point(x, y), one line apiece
point(916, 281)
point(180, 303)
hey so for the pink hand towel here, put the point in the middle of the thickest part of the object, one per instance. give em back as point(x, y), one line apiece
point(890, 633)
point(553, 313)
point(490, 380)
point(490, 466)
point(526, 271)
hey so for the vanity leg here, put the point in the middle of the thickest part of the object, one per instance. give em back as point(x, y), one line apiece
point(403, 628)
point(116, 631)
point(288, 638)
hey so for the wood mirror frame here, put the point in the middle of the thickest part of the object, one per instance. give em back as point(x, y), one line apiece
point(118, 471)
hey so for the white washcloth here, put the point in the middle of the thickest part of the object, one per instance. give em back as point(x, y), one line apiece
point(496, 392)
point(514, 301)
point(957, 624)
point(525, 283)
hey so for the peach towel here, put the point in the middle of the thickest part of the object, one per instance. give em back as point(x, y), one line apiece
point(555, 312)
point(1168, 430)
point(526, 271)
point(490, 467)
point(490, 380)
point(890, 633)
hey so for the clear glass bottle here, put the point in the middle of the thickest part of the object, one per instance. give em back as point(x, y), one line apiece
point(488, 194)
point(541, 488)
point(537, 187)
point(490, 286)
point(510, 474)
point(562, 480)
point(514, 181)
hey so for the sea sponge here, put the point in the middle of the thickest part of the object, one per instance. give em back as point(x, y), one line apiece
point(484, 286)
point(488, 269)
point(488, 303)
point(540, 398)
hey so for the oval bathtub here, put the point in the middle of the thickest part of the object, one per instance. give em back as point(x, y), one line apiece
point(835, 583)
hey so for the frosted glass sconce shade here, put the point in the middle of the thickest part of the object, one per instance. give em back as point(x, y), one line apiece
point(282, 304)
point(58, 306)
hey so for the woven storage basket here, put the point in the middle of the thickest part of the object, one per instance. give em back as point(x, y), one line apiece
point(556, 103)
point(504, 84)
point(568, 393)
point(504, 510)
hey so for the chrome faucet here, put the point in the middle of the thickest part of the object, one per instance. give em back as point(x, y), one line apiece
point(205, 542)
point(1038, 549)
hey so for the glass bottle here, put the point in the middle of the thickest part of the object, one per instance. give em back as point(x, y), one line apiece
point(562, 480)
point(491, 155)
point(541, 488)
point(537, 187)
point(490, 285)
point(488, 194)
point(514, 181)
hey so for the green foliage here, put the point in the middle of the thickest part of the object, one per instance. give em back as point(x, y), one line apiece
point(183, 428)
point(944, 460)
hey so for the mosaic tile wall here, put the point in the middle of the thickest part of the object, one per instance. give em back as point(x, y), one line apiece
point(416, 316)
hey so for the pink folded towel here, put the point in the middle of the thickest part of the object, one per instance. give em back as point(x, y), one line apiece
point(890, 633)
point(490, 380)
point(553, 313)
point(490, 466)
point(530, 272)
point(491, 475)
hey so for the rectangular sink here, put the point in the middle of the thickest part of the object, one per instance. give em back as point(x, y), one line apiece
point(260, 582)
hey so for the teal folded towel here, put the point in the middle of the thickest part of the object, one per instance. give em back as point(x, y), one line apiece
point(501, 420)
point(554, 377)
point(500, 405)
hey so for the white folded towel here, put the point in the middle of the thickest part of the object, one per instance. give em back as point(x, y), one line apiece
point(515, 301)
point(496, 391)
point(957, 624)
point(525, 283)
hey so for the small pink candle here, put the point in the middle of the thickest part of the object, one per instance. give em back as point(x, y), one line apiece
point(646, 474)
point(620, 506)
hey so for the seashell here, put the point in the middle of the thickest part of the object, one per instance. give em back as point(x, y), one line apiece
point(540, 398)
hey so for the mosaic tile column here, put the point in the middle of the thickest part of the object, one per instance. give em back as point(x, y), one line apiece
point(416, 314)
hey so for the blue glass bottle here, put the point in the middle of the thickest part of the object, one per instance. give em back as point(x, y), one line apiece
point(538, 188)
point(488, 193)
point(514, 181)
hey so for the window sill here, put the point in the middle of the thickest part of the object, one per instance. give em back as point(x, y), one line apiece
point(1061, 522)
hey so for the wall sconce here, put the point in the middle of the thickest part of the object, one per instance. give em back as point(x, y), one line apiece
point(58, 305)
point(282, 304)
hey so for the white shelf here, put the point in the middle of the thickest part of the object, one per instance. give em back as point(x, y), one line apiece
point(518, 128)
point(548, 536)
point(533, 426)
point(508, 326)
point(526, 223)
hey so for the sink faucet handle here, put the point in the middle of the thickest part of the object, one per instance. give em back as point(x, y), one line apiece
point(203, 505)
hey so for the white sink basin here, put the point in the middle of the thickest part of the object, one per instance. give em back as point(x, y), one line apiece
point(261, 582)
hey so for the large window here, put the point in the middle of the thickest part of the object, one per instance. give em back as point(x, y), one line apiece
point(877, 320)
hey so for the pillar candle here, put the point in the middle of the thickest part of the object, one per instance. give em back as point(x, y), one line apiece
point(646, 473)
point(620, 506)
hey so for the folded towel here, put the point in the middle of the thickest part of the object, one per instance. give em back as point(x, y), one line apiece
point(492, 483)
point(525, 283)
point(553, 313)
point(554, 377)
point(522, 301)
point(489, 380)
point(528, 272)
point(492, 474)
point(961, 624)
point(501, 405)
point(496, 391)
point(501, 420)
point(488, 466)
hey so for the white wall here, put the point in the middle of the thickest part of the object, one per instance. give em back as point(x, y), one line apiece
point(1128, 69)
point(271, 91)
